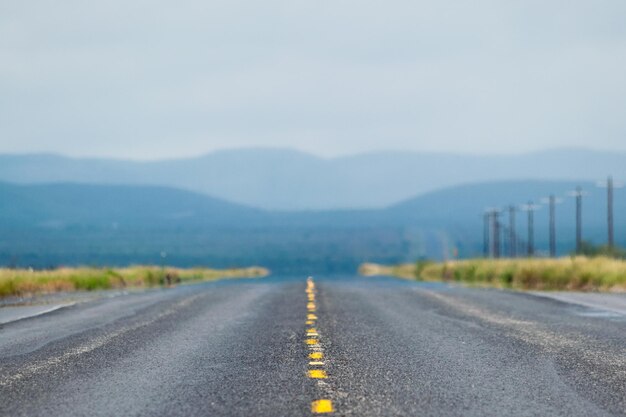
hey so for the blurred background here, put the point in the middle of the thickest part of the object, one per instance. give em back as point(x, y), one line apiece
point(306, 136)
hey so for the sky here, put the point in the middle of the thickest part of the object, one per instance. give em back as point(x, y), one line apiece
point(157, 79)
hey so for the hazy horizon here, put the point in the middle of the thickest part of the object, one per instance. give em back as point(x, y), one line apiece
point(285, 179)
point(261, 148)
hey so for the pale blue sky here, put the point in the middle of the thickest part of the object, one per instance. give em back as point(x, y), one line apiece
point(152, 79)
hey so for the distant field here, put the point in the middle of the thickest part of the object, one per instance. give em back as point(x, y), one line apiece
point(22, 282)
point(573, 273)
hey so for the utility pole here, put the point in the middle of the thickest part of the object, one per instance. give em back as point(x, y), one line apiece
point(552, 227)
point(552, 201)
point(578, 194)
point(496, 234)
point(610, 188)
point(530, 209)
point(579, 220)
point(531, 232)
point(609, 200)
point(486, 234)
point(512, 234)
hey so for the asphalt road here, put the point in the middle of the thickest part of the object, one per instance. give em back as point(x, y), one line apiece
point(282, 347)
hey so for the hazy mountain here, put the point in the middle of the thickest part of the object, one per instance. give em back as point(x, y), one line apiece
point(63, 206)
point(62, 224)
point(291, 180)
point(45, 225)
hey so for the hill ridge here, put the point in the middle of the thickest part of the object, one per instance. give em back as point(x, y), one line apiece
point(284, 179)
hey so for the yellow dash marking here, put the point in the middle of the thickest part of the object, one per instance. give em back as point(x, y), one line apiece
point(312, 330)
point(312, 341)
point(322, 406)
point(311, 317)
point(316, 355)
point(316, 363)
point(310, 322)
point(317, 374)
point(311, 306)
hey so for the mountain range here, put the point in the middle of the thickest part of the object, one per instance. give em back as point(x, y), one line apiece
point(279, 179)
point(53, 224)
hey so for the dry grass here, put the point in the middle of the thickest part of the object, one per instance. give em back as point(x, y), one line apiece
point(575, 273)
point(23, 282)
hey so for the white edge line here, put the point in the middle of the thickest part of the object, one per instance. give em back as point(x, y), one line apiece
point(40, 313)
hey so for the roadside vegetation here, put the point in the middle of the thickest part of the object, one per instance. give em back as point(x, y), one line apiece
point(591, 250)
point(577, 273)
point(24, 282)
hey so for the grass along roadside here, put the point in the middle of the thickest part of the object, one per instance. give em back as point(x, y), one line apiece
point(24, 282)
point(569, 274)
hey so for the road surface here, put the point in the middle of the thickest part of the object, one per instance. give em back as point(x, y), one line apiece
point(333, 346)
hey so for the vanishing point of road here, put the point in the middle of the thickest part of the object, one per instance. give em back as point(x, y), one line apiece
point(341, 346)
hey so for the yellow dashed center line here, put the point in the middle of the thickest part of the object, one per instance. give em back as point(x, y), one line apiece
point(317, 374)
point(321, 406)
point(316, 355)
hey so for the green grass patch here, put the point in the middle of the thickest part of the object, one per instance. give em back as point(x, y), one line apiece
point(24, 282)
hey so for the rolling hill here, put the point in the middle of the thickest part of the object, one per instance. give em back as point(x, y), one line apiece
point(53, 224)
point(277, 179)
